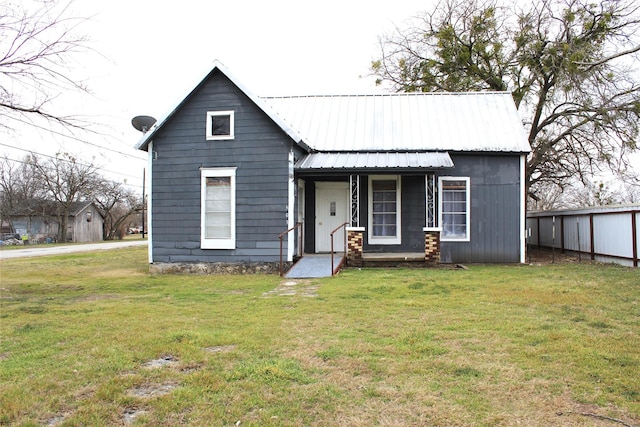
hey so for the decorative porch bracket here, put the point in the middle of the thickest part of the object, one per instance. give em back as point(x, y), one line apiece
point(354, 186)
point(432, 230)
point(355, 233)
point(432, 188)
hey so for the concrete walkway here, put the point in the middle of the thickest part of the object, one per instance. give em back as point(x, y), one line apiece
point(44, 249)
point(310, 266)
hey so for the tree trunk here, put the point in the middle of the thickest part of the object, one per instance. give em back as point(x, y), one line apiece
point(62, 229)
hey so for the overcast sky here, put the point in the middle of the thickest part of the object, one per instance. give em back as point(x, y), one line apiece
point(147, 54)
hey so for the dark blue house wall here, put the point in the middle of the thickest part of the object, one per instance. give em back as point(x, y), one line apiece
point(259, 151)
point(495, 209)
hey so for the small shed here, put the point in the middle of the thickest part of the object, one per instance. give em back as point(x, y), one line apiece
point(86, 223)
point(38, 221)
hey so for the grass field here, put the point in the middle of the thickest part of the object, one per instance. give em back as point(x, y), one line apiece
point(92, 339)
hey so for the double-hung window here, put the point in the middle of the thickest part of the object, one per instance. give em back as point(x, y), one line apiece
point(384, 210)
point(220, 125)
point(454, 204)
point(218, 208)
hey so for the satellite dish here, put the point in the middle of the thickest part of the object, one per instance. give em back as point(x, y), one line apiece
point(143, 123)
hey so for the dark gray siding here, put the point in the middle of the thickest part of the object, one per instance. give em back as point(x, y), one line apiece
point(259, 151)
point(495, 209)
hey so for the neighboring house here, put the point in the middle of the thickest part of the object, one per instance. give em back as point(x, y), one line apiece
point(38, 221)
point(435, 173)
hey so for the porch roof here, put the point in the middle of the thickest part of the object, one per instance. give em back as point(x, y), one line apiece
point(374, 161)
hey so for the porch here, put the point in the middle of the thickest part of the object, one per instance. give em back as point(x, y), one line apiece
point(351, 254)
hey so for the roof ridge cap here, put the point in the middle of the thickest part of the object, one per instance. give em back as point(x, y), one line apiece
point(390, 94)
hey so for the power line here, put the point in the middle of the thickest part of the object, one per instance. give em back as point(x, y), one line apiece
point(68, 161)
point(65, 160)
point(74, 138)
point(25, 163)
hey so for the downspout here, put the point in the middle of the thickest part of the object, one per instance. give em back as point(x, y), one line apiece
point(149, 204)
point(523, 210)
point(291, 214)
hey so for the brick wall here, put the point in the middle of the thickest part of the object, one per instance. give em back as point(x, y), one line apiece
point(432, 246)
point(354, 246)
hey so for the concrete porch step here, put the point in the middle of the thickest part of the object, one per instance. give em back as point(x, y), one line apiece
point(393, 257)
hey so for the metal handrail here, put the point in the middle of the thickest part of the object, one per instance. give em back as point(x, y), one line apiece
point(345, 244)
point(281, 235)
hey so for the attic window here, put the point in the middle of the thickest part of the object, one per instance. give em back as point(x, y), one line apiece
point(220, 125)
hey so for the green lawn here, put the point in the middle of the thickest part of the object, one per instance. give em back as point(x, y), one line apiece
point(93, 339)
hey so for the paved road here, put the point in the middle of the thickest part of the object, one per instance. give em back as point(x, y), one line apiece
point(42, 250)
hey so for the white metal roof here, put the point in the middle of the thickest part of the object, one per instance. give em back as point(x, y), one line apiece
point(476, 121)
point(372, 161)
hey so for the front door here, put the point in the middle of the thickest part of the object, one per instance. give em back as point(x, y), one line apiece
point(332, 210)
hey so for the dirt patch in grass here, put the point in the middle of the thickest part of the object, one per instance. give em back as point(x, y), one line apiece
point(97, 297)
point(54, 421)
point(152, 390)
point(544, 256)
point(164, 361)
point(305, 288)
point(130, 415)
point(220, 348)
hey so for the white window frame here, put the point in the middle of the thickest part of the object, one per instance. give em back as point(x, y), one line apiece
point(385, 240)
point(209, 243)
point(467, 236)
point(211, 115)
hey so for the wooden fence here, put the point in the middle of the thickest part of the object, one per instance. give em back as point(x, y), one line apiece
point(607, 234)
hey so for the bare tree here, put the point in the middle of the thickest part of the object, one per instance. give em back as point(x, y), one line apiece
point(37, 42)
point(576, 194)
point(568, 63)
point(117, 204)
point(66, 181)
point(19, 187)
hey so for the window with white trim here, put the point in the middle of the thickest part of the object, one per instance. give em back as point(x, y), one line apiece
point(218, 208)
point(455, 207)
point(220, 125)
point(384, 210)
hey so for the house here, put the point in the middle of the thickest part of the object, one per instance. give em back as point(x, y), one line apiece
point(439, 174)
point(37, 220)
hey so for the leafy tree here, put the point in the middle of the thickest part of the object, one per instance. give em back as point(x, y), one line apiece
point(568, 63)
point(37, 42)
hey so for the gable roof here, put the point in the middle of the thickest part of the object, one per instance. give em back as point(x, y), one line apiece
point(43, 207)
point(394, 122)
point(436, 121)
point(217, 66)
